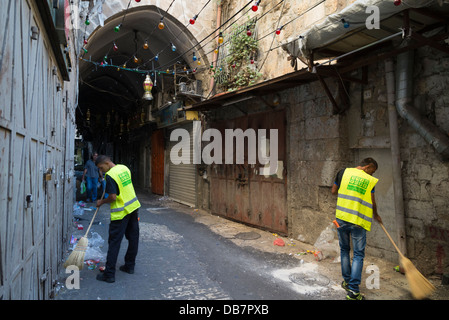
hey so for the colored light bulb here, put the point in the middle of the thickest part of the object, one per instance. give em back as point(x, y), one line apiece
point(220, 38)
point(145, 45)
point(192, 21)
point(117, 28)
point(397, 2)
point(161, 24)
point(255, 6)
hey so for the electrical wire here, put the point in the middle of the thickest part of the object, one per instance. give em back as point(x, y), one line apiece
point(274, 36)
point(203, 68)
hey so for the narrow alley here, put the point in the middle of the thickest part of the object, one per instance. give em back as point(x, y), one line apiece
point(185, 254)
point(246, 126)
point(182, 258)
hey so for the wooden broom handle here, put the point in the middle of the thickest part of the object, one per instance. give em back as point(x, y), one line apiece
point(389, 237)
point(93, 218)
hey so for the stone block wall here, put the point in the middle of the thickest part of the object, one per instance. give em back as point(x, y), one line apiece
point(425, 175)
point(321, 143)
point(316, 151)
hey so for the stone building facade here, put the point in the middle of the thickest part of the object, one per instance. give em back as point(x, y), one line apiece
point(320, 138)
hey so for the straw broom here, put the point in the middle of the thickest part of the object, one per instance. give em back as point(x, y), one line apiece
point(76, 258)
point(419, 285)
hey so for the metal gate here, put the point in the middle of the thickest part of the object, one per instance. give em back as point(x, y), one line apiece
point(36, 157)
point(240, 193)
point(182, 177)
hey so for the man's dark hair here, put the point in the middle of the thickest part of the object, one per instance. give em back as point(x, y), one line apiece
point(102, 158)
point(364, 162)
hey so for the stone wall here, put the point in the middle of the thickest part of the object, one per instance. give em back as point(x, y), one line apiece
point(317, 150)
point(321, 143)
point(425, 175)
point(297, 16)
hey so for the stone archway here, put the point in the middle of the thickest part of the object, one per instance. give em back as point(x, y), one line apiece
point(110, 98)
point(144, 16)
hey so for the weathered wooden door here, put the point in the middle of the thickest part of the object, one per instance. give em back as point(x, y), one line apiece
point(240, 192)
point(33, 170)
point(157, 162)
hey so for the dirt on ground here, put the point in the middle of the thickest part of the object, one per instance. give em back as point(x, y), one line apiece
point(392, 284)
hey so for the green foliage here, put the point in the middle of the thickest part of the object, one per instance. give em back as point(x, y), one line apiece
point(239, 72)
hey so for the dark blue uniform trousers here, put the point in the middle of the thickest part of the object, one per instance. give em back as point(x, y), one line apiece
point(128, 227)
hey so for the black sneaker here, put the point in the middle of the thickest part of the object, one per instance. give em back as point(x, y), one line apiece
point(126, 269)
point(344, 285)
point(354, 296)
point(103, 277)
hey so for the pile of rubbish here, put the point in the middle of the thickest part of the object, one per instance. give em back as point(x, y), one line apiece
point(326, 245)
point(81, 206)
point(94, 254)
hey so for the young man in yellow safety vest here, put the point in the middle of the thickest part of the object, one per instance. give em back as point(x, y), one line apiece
point(356, 209)
point(124, 216)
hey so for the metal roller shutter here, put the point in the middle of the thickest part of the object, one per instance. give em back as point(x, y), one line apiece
point(182, 177)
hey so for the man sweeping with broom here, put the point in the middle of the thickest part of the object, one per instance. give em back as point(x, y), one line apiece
point(124, 216)
point(356, 208)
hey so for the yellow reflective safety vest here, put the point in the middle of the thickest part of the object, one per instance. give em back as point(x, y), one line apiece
point(126, 202)
point(354, 202)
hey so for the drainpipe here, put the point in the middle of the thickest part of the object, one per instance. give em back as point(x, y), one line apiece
point(212, 80)
point(404, 105)
point(395, 157)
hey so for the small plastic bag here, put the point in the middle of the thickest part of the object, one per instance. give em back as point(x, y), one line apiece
point(328, 243)
point(96, 240)
point(77, 210)
point(83, 187)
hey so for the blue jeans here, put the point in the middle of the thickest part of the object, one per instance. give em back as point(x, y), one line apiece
point(91, 188)
point(352, 274)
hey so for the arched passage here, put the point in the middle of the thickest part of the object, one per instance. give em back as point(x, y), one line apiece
point(112, 117)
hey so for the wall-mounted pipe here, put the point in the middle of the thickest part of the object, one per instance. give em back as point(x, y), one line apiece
point(404, 105)
point(395, 157)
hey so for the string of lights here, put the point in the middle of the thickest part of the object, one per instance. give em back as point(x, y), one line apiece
point(221, 28)
point(199, 69)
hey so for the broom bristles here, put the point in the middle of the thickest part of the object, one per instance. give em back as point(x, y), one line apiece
point(76, 258)
point(419, 286)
